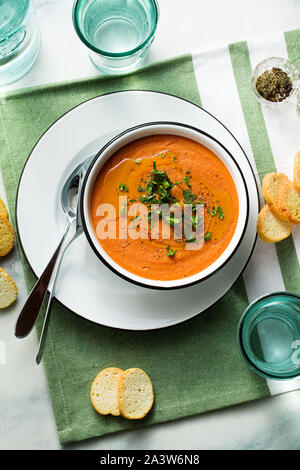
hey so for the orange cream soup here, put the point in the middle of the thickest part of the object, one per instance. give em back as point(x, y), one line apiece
point(210, 181)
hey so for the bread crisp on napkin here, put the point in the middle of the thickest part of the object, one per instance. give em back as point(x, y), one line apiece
point(8, 288)
point(127, 393)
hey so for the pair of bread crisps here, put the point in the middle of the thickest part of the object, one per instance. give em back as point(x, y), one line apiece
point(275, 220)
point(8, 289)
point(127, 393)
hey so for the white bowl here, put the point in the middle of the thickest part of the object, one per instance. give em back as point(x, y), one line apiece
point(171, 128)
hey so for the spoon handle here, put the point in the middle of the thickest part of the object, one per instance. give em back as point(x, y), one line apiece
point(32, 306)
point(43, 336)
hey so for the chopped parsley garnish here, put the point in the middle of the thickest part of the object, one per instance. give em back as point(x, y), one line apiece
point(171, 252)
point(207, 236)
point(187, 181)
point(195, 220)
point(123, 208)
point(175, 159)
point(199, 202)
point(132, 200)
point(135, 221)
point(158, 188)
point(172, 220)
point(123, 187)
point(188, 197)
point(138, 161)
point(217, 210)
point(220, 213)
point(146, 199)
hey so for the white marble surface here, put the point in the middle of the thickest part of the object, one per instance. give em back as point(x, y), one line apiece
point(26, 419)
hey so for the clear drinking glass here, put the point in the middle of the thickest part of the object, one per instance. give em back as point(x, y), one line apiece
point(19, 40)
point(269, 335)
point(118, 33)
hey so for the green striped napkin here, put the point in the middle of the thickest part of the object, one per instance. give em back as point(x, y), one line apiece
point(196, 366)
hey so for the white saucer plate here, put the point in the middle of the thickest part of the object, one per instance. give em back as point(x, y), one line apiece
point(86, 286)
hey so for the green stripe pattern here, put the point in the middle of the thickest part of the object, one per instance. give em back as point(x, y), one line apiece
point(262, 152)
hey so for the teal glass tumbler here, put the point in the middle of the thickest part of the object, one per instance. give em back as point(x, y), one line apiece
point(118, 33)
point(19, 40)
point(269, 335)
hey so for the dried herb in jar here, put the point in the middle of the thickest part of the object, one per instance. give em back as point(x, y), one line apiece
point(274, 85)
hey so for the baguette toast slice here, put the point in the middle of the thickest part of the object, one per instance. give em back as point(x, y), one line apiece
point(3, 210)
point(297, 171)
point(273, 186)
point(8, 289)
point(104, 391)
point(135, 394)
point(271, 229)
point(6, 237)
point(289, 203)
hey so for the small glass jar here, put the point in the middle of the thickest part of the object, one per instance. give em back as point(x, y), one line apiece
point(19, 40)
point(280, 63)
point(269, 335)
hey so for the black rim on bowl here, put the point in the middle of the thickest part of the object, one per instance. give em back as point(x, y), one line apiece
point(83, 215)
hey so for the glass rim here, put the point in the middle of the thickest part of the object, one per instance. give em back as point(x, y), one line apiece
point(243, 352)
point(18, 20)
point(114, 54)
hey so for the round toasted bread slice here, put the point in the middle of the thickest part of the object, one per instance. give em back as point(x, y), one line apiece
point(273, 186)
point(297, 171)
point(104, 391)
point(6, 237)
point(3, 210)
point(8, 289)
point(289, 203)
point(135, 394)
point(270, 228)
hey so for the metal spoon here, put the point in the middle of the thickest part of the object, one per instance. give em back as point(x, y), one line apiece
point(32, 306)
point(69, 202)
